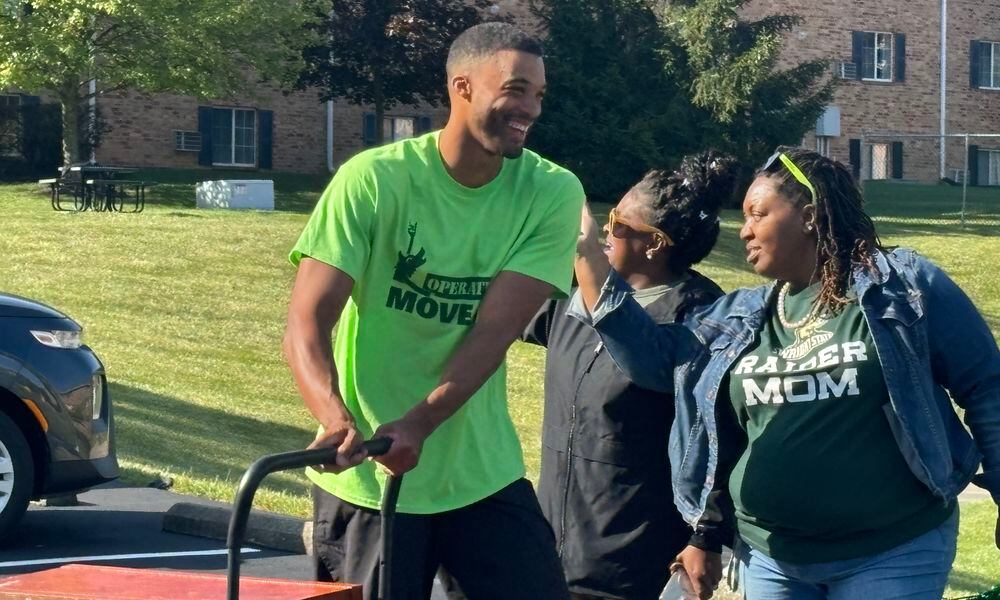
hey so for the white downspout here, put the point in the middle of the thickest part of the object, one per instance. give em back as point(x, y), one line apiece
point(329, 135)
point(944, 84)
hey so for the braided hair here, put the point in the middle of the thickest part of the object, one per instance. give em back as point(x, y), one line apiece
point(685, 204)
point(845, 234)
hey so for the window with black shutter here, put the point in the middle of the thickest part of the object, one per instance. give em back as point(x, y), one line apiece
point(984, 65)
point(394, 128)
point(877, 56)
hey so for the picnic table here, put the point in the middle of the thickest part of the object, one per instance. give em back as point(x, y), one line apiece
point(100, 188)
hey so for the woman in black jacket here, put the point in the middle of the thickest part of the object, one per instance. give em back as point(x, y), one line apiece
point(605, 477)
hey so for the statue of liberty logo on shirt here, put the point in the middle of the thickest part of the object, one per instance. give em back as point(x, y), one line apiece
point(407, 264)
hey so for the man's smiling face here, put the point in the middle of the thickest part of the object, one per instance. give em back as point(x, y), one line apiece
point(506, 99)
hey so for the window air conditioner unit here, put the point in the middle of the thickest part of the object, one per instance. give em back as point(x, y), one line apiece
point(845, 70)
point(187, 141)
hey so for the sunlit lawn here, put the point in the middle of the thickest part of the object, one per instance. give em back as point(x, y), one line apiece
point(186, 308)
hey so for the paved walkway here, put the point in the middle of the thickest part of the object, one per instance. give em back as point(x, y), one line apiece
point(973, 493)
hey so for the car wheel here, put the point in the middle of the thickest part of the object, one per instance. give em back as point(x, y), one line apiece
point(17, 474)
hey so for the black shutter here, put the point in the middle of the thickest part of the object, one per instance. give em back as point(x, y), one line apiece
point(897, 160)
point(205, 129)
point(423, 125)
point(973, 173)
point(858, 52)
point(974, 64)
point(900, 55)
point(369, 132)
point(854, 154)
point(265, 125)
point(41, 135)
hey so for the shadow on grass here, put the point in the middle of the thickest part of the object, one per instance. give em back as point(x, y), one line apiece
point(900, 209)
point(181, 437)
point(944, 227)
point(293, 192)
point(969, 581)
point(185, 215)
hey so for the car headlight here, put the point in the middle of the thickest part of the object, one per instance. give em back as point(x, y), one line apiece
point(98, 397)
point(58, 338)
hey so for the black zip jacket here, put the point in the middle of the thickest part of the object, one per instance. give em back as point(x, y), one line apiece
point(605, 476)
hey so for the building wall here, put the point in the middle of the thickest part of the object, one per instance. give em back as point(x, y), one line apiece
point(970, 110)
point(143, 125)
point(908, 106)
point(142, 128)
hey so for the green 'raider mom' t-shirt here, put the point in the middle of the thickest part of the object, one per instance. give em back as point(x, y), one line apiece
point(822, 478)
point(422, 250)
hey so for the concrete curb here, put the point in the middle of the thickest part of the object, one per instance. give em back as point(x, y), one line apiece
point(291, 534)
point(265, 529)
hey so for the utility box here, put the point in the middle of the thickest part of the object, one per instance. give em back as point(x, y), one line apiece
point(828, 124)
point(236, 193)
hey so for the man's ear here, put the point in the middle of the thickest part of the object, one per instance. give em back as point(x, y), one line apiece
point(461, 87)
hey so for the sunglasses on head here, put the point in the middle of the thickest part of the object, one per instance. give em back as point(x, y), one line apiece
point(614, 219)
point(793, 169)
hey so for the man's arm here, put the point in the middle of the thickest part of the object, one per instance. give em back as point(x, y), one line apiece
point(510, 302)
point(318, 297)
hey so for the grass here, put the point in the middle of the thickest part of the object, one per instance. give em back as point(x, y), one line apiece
point(186, 308)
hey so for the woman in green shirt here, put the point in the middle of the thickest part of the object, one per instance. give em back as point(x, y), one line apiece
point(823, 399)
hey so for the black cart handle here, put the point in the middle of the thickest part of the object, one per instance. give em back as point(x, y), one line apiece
point(261, 468)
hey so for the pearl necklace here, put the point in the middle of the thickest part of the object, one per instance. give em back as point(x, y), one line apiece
point(781, 310)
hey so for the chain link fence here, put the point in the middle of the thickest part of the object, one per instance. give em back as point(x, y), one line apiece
point(933, 179)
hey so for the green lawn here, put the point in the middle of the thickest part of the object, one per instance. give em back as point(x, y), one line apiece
point(186, 308)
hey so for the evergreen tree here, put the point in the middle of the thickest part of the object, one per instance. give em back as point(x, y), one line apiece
point(636, 84)
point(732, 63)
point(612, 110)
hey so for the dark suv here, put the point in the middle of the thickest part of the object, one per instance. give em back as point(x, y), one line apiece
point(55, 413)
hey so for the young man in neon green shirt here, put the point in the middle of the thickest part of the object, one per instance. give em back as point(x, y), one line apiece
point(433, 254)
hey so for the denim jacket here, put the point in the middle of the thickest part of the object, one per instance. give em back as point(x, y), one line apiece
point(930, 339)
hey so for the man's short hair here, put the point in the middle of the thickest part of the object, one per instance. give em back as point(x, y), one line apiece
point(486, 39)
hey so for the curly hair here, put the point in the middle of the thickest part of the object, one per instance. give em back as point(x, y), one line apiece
point(685, 204)
point(845, 234)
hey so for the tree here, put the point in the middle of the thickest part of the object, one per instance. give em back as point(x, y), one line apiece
point(734, 74)
point(612, 110)
point(386, 52)
point(208, 48)
point(653, 80)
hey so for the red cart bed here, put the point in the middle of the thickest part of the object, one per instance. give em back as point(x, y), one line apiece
point(89, 582)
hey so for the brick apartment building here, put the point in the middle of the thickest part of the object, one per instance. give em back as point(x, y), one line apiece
point(888, 60)
point(267, 130)
point(886, 56)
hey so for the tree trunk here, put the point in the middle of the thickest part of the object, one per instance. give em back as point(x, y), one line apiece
point(69, 97)
point(379, 111)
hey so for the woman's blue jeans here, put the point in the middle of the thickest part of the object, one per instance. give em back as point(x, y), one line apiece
point(915, 570)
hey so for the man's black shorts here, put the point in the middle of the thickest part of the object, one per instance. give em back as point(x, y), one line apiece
point(499, 547)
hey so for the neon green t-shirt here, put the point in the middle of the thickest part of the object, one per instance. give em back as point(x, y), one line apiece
point(422, 249)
